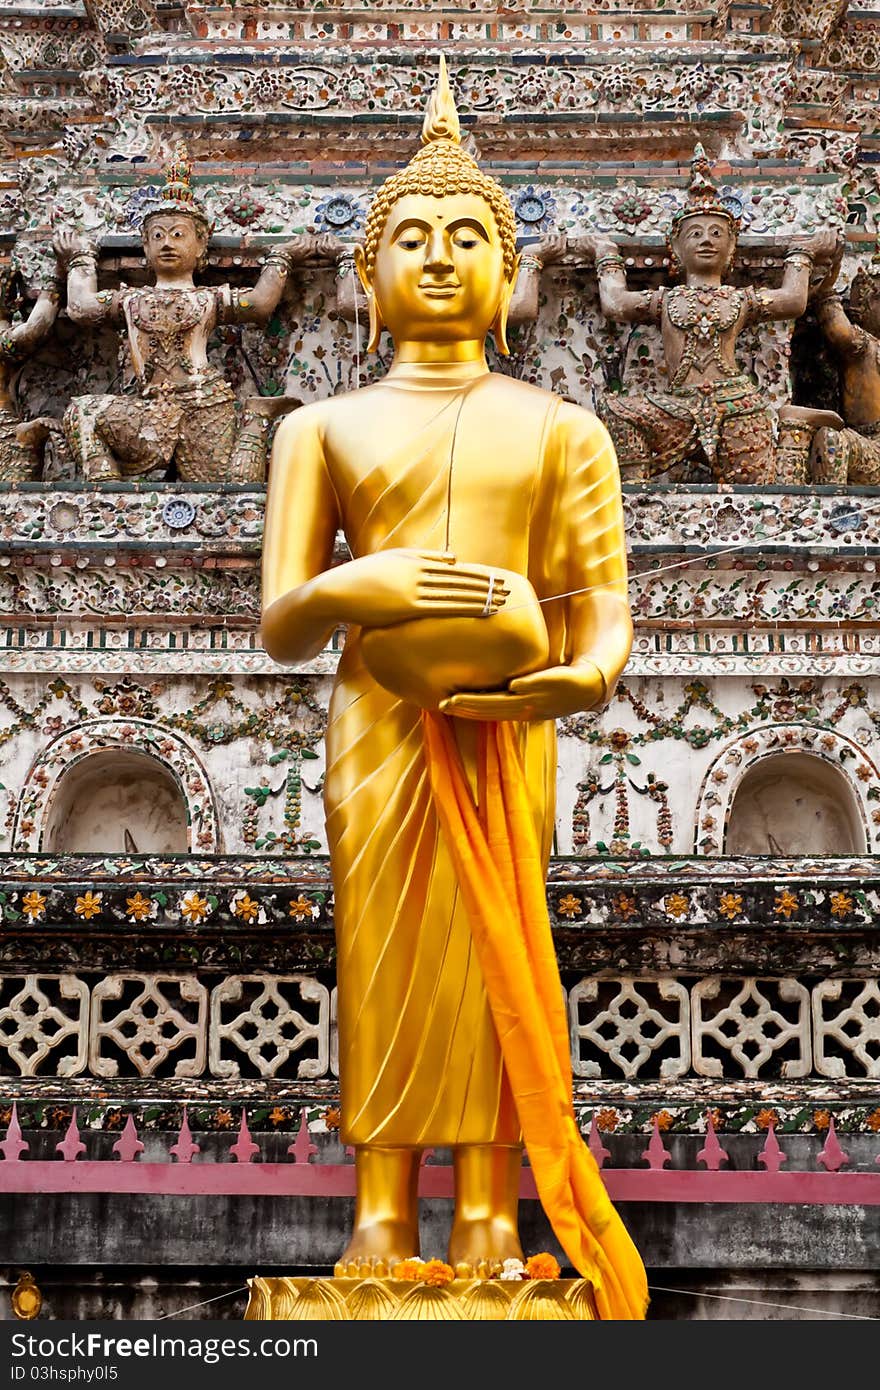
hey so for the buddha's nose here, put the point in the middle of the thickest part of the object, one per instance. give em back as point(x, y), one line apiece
point(439, 256)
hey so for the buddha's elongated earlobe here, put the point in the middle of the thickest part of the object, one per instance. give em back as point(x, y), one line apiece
point(499, 326)
point(376, 324)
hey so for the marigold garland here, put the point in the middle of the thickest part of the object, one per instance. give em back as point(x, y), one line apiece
point(542, 1266)
point(436, 1273)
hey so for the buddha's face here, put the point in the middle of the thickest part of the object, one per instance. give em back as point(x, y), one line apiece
point(173, 243)
point(704, 244)
point(439, 273)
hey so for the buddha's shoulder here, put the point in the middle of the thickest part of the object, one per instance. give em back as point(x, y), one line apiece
point(531, 396)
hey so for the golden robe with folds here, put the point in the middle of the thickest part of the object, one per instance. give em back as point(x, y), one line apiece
point(534, 488)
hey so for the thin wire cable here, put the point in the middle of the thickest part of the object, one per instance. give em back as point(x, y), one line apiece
point(190, 1306)
point(665, 569)
point(762, 1303)
point(652, 1288)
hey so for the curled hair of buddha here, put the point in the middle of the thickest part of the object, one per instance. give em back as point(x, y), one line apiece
point(441, 168)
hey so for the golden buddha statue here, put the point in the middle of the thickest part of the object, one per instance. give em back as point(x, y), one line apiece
point(486, 597)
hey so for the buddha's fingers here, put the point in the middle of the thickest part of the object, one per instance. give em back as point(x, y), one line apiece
point(445, 556)
point(452, 585)
point(456, 607)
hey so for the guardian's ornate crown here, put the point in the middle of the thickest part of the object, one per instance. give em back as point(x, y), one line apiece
point(176, 194)
point(703, 198)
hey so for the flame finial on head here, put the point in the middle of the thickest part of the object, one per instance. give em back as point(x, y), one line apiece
point(441, 115)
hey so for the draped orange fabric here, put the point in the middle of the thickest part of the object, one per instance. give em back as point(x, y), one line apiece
point(498, 863)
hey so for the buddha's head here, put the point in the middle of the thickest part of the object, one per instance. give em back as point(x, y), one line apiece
point(175, 229)
point(703, 233)
point(439, 261)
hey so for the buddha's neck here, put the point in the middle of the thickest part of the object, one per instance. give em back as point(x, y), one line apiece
point(437, 364)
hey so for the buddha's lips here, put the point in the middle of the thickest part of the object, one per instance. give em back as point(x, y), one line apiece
point(441, 290)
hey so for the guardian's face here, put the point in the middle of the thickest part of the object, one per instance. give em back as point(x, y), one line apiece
point(439, 274)
point(173, 243)
point(705, 243)
point(870, 312)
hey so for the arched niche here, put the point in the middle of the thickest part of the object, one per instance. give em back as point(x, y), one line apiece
point(794, 803)
point(788, 789)
point(117, 802)
point(104, 776)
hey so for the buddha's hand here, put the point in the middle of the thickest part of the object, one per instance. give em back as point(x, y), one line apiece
point(395, 586)
point(550, 694)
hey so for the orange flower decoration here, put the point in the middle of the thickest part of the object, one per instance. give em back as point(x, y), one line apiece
point(437, 1273)
point(676, 905)
point(625, 906)
point(873, 1121)
point(730, 905)
point(277, 1115)
point(194, 908)
point(408, 1269)
point(332, 1117)
point(786, 903)
point(841, 904)
point(821, 1118)
point(34, 905)
point(89, 905)
point(664, 1119)
point(607, 1121)
point(246, 908)
point(570, 906)
point(542, 1266)
point(301, 909)
point(139, 908)
point(765, 1118)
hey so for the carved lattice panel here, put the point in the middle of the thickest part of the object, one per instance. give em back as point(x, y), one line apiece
point(846, 1028)
point(750, 1027)
point(258, 1024)
point(160, 1028)
point(44, 1022)
point(629, 1027)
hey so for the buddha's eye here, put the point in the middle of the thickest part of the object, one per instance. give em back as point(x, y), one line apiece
point(411, 243)
point(466, 240)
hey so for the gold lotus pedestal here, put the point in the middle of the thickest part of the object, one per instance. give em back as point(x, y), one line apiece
point(405, 1300)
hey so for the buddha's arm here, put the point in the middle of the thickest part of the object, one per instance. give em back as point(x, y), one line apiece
point(304, 599)
point(593, 584)
point(598, 622)
point(26, 336)
point(302, 518)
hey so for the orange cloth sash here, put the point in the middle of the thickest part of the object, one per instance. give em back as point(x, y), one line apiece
point(498, 862)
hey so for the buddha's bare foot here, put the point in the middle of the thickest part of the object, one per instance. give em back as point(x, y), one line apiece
point(479, 1247)
point(373, 1250)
